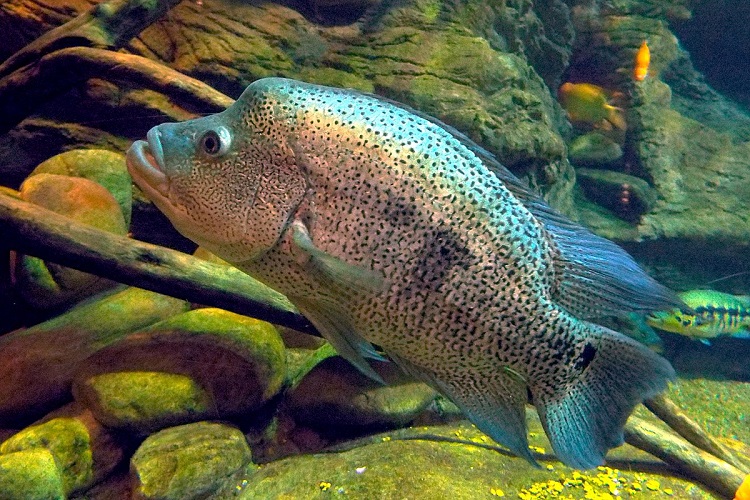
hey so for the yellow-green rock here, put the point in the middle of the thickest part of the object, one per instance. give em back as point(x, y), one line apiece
point(99, 165)
point(228, 365)
point(37, 364)
point(47, 285)
point(68, 440)
point(30, 475)
point(188, 461)
point(144, 401)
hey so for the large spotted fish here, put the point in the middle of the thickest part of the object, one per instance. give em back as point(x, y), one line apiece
point(387, 227)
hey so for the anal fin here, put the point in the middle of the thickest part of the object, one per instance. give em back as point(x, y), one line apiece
point(494, 402)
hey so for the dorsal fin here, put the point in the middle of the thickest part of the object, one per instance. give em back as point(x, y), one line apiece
point(596, 277)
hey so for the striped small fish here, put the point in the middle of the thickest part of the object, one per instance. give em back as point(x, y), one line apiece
point(714, 314)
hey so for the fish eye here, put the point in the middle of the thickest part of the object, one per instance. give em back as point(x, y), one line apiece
point(214, 142)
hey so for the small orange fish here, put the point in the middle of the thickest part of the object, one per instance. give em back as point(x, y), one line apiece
point(743, 492)
point(642, 60)
point(588, 103)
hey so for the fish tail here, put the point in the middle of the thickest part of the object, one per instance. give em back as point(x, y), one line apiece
point(585, 418)
point(616, 116)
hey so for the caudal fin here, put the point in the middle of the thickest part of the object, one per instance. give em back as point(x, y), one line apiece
point(585, 418)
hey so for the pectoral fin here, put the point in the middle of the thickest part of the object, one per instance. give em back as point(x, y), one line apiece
point(331, 271)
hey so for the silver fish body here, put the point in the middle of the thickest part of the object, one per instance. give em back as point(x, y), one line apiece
point(387, 227)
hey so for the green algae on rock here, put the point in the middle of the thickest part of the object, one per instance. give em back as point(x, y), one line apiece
point(30, 474)
point(37, 363)
point(334, 394)
point(143, 401)
point(227, 365)
point(188, 461)
point(68, 440)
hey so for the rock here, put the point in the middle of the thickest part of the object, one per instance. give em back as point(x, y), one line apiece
point(30, 474)
point(224, 365)
point(115, 487)
point(36, 139)
point(451, 461)
point(335, 395)
point(99, 165)
point(593, 149)
point(187, 462)
point(144, 401)
point(482, 67)
point(37, 363)
point(83, 451)
point(627, 196)
point(49, 285)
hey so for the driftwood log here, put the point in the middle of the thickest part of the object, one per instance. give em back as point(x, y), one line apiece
point(32, 230)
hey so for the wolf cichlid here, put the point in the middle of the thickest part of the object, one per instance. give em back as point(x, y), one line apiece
point(386, 227)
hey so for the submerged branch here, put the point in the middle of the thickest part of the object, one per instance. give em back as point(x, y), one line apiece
point(42, 233)
point(26, 88)
point(107, 25)
point(697, 464)
point(670, 413)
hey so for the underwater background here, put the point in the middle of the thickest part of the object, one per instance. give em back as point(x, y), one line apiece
point(629, 116)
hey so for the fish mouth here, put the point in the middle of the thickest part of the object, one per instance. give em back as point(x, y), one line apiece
point(145, 161)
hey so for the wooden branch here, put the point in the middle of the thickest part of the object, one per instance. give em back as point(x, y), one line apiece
point(22, 91)
point(674, 417)
point(697, 464)
point(107, 25)
point(36, 231)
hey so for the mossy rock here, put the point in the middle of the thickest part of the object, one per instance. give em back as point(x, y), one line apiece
point(68, 440)
point(335, 395)
point(37, 364)
point(227, 365)
point(30, 474)
point(104, 167)
point(144, 401)
point(188, 461)
point(47, 285)
point(454, 461)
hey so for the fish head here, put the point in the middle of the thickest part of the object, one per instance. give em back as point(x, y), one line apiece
point(223, 180)
point(679, 321)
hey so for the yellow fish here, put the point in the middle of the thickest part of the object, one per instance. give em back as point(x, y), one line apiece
point(743, 492)
point(589, 103)
point(713, 314)
point(641, 63)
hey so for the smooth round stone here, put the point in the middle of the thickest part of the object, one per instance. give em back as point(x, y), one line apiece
point(188, 461)
point(99, 165)
point(144, 401)
point(224, 365)
point(47, 285)
point(335, 394)
point(30, 475)
point(627, 196)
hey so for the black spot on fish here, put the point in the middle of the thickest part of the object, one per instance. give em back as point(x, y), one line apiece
point(586, 357)
point(442, 250)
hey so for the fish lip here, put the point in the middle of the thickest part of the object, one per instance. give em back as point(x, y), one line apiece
point(145, 161)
